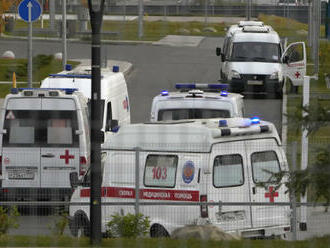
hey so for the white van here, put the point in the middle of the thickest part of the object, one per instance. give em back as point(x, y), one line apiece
point(196, 101)
point(253, 61)
point(44, 135)
point(116, 108)
point(214, 161)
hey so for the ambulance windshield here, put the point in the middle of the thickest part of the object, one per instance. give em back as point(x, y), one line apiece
point(256, 52)
point(38, 128)
point(179, 114)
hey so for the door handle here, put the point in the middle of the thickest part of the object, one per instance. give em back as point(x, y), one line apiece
point(48, 155)
point(254, 190)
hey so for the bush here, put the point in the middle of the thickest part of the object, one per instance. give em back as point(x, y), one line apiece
point(128, 226)
point(60, 224)
point(8, 219)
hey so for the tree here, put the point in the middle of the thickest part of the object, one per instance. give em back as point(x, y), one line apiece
point(6, 5)
point(316, 177)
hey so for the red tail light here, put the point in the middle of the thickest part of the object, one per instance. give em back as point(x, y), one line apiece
point(82, 166)
point(204, 208)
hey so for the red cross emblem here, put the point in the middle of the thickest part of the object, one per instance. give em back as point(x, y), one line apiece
point(271, 194)
point(297, 74)
point(125, 104)
point(66, 157)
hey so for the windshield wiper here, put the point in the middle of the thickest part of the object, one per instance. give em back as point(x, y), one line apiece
point(259, 58)
point(240, 58)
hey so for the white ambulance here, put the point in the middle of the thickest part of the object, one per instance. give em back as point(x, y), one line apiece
point(253, 61)
point(196, 101)
point(116, 108)
point(44, 135)
point(212, 161)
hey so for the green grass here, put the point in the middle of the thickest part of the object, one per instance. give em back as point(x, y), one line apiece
point(62, 241)
point(153, 31)
point(19, 66)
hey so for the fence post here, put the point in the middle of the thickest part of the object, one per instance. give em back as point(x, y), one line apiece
point(304, 152)
point(137, 180)
point(293, 193)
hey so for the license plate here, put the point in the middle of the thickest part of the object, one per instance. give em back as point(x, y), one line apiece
point(20, 175)
point(230, 216)
point(255, 82)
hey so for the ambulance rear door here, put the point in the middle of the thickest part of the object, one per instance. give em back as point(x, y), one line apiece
point(60, 149)
point(229, 183)
point(21, 148)
point(265, 158)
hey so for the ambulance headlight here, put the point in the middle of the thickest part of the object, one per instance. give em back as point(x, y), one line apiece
point(234, 75)
point(274, 75)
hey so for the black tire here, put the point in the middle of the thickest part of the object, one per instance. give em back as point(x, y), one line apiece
point(80, 226)
point(158, 231)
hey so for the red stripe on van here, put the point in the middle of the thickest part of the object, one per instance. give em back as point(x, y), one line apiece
point(147, 194)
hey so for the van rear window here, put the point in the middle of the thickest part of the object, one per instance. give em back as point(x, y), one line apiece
point(39, 128)
point(264, 165)
point(228, 171)
point(179, 114)
point(160, 170)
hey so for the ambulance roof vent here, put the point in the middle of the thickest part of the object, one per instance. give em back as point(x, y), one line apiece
point(195, 93)
point(250, 23)
point(255, 29)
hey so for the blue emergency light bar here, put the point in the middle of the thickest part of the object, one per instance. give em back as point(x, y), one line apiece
point(223, 93)
point(164, 93)
point(223, 123)
point(202, 86)
point(255, 120)
point(66, 90)
point(70, 76)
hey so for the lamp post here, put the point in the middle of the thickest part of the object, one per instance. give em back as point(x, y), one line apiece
point(96, 14)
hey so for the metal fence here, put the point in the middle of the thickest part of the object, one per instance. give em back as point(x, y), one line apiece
point(233, 201)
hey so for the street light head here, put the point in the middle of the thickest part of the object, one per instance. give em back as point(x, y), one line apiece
point(95, 5)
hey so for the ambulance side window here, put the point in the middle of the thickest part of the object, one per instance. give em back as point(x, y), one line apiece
point(264, 164)
point(160, 170)
point(228, 171)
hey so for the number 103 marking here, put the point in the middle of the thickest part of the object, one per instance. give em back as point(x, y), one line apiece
point(159, 173)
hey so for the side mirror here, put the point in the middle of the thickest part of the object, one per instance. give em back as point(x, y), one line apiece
point(101, 136)
point(74, 180)
point(79, 132)
point(114, 125)
point(218, 51)
point(223, 57)
point(286, 59)
point(3, 131)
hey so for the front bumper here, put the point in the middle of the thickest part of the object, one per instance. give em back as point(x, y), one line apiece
point(255, 84)
point(266, 232)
